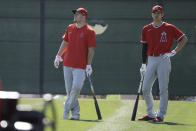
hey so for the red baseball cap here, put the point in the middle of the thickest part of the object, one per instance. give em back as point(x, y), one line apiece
point(157, 8)
point(81, 10)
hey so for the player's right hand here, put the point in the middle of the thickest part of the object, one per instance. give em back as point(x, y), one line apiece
point(168, 55)
point(143, 69)
point(57, 60)
point(89, 70)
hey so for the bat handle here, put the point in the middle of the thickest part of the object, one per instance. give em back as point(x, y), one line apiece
point(91, 84)
point(89, 79)
point(142, 76)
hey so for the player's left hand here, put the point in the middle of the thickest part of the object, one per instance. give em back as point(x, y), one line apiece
point(89, 70)
point(168, 55)
point(143, 69)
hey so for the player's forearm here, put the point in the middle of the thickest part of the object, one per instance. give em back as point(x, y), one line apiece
point(62, 47)
point(181, 44)
point(90, 55)
point(144, 53)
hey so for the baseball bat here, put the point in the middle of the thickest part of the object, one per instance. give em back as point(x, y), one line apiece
point(137, 99)
point(95, 100)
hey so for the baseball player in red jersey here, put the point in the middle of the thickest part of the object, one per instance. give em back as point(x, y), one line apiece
point(79, 41)
point(157, 40)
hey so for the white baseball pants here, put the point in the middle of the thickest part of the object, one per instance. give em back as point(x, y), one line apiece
point(157, 67)
point(74, 80)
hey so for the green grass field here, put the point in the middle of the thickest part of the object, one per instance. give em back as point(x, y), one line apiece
point(181, 116)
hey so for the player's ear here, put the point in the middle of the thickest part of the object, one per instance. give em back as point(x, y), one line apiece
point(152, 15)
point(162, 14)
point(84, 17)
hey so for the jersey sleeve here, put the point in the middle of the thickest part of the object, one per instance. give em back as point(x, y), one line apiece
point(178, 34)
point(143, 37)
point(65, 36)
point(91, 39)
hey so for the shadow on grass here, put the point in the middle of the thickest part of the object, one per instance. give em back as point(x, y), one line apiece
point(169, 123)
point(89, 120)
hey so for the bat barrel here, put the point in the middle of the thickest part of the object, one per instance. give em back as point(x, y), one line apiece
point(137, 99)
point(95, 100)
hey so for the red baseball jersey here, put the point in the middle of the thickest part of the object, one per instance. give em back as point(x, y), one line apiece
point(160, 39)
point(78, 41)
